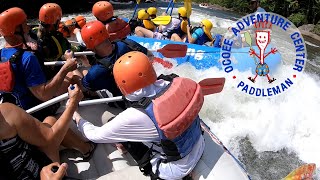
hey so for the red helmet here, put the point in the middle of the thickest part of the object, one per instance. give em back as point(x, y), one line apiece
point(94, 33)
point(102, 10)
point(10, 19)
point(50, 13)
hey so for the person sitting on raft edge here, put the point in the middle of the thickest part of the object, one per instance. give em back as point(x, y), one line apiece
point(144, 21)
point(27, 145)
point(118, 29)
point(176, 25)
point(99, 76)
point(52, 44)
point(144, 122)
point(201, 35)
point(25, 83)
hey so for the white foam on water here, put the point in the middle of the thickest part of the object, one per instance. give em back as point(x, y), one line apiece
point(288, 121)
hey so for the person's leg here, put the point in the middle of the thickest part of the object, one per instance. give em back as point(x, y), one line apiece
point(71, 140)
point(143, 32)
point(176, 37)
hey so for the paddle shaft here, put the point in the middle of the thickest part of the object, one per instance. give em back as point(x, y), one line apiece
point(48, 103)
point(135, 9)
point(172, 6)
point(169, 5)
point(215, 83)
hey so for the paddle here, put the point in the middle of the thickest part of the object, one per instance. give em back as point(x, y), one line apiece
point(135, 9)
point(303, 172)
point(169, 5)
point(212, 85)
point(168, 51)
point(172, 6)
point(248, 39)
point(209, 85)
point(188, 6)
point(161, 20)
point(164, 63)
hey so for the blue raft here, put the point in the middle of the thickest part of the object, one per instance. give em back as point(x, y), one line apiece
point(205, 57)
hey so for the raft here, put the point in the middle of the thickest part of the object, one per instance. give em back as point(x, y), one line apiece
point(204, 57)
point(108, 163)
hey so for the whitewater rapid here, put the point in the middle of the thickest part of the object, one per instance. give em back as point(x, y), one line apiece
point(287, 126)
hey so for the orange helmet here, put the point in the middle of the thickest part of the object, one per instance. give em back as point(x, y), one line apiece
point(67, 27)
point(10, 20)
point(50, 13)
point(81, 21)
point(102, 10)
point(70, 23)
point(94, 33)
point(133, 71)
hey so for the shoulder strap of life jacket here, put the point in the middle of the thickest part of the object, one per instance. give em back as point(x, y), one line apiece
point(16, 56)
point(132, 45)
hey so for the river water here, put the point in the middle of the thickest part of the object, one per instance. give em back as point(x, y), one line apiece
point(271, 137)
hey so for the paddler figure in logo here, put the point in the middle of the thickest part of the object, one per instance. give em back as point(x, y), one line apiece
point(262, 40)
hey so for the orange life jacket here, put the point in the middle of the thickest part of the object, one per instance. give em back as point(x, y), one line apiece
point(118, 29)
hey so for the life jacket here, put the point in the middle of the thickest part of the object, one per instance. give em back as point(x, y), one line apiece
point(117, 28)
point(204, 38)
point(66, 30)
point(133, 23)
point(148, 24)
point(133, 46)
point(7, 77)
point(179, 128)
point(53, 46)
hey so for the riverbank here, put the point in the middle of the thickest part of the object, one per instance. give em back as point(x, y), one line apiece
point(306, 30)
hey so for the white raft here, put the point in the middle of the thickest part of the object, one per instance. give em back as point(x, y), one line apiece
point(108, 163)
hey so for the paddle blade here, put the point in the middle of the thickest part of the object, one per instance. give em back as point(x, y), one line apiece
point(188, 6)
point(212, 85)
point(164, 63)
point(303, 172)
point(248, 38)
point(173, 50)
point(161, 20)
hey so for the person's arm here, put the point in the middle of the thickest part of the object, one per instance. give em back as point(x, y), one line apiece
point(47, 174)
point(39, 134)
point(46, 91)
point(130, 125)
point(193, 37)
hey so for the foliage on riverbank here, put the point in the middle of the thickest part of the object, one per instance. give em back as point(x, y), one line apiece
point(298, 11)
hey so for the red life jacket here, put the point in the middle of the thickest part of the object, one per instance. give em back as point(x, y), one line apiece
point(6, 72)
point(118, 29)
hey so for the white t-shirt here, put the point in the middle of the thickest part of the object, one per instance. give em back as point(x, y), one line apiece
point(174, 23)
point(135, 126)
